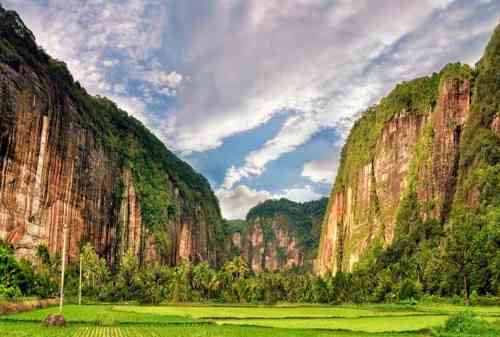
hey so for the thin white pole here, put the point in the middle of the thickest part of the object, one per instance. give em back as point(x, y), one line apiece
point(80, 286)
point(63, 267)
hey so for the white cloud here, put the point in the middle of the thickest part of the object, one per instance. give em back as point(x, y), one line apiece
point(243, 61)
point(299, 194)
point(341, 93)
point(164, 82)
point(235, 203)
point(323, 170)
point(298, 129)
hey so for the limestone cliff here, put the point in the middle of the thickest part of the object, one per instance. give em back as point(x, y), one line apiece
point(411, 149)
point(280, 235)
point(70, 159)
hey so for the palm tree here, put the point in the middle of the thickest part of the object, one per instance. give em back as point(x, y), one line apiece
point(237, 267)
point(205, 279)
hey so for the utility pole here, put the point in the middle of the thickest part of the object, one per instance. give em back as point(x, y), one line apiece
point(80, 282)
point(63, 266)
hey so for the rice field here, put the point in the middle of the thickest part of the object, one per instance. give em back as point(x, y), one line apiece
point(243, 312)
point(237, 321)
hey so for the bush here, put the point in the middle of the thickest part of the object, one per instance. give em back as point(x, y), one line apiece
point(456, 300)
point(410, 289)
point(18, 278)
point(474, 298)
point(489, 300)
point(466, 323)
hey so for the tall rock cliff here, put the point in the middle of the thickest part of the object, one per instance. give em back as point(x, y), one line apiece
point(280, 235)
point(428, 148)
point(410, 144)
point(70, 159)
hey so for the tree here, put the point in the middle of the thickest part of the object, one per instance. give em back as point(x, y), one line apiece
point(95, 271)
point(124, 285)
point(459, 247)
point(205, 280)
point(237, 268)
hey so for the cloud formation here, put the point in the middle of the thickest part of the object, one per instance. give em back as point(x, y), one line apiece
point(236, 203)
point(201, 74)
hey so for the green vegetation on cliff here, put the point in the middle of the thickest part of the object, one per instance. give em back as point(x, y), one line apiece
point(480, 152)
point(412, 97)
point(167, 187)
point(415, 97)
point(303, 220)
point(458, 252)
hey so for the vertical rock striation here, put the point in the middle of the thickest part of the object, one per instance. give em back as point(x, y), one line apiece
point(410, 145)
point(70, 159)
point(280, 235)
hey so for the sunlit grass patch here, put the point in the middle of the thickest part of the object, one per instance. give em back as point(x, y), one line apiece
point(27, 329)
point(98, 315)
point(372, 324)
point(241, 312)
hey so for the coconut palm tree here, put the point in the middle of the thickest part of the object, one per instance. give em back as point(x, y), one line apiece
point(238, 268)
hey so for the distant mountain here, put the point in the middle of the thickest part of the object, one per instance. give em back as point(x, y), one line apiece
point(279, 234)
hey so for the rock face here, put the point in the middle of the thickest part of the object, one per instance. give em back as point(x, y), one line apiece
point(280, 235)
point(279, 251)
point(70, 159)
point(410, 145)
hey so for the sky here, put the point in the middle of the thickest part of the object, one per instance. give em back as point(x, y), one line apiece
point(257, 95)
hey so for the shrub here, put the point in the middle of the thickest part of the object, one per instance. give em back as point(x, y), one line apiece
point(466, 323)
point(474, 298)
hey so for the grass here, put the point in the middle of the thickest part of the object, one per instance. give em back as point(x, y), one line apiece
point(26, 329)
point(493, 311)
point(372, 324)
point(98, 315)
point(243, 321)
point(248, 312)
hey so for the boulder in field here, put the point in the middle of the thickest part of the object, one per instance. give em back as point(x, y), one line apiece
point(54, 320)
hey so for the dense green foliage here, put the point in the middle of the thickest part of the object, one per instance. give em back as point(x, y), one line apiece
point(391, 275)
point(467, 324)
point(20, 278)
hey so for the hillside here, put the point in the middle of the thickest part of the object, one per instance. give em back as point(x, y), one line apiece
point(280, 234)
point(70, 159)
point(417, 188)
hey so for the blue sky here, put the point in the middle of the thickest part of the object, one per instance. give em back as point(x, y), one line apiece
point(258, 95)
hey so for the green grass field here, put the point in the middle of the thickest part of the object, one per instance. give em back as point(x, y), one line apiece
point(238, 321)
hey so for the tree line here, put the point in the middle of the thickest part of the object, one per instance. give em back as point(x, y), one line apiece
point(460, 262)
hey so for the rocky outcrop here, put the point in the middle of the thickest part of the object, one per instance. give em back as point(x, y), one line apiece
point(413, 154)
point(277, 250)
point(69, 160)
point(280, 235)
